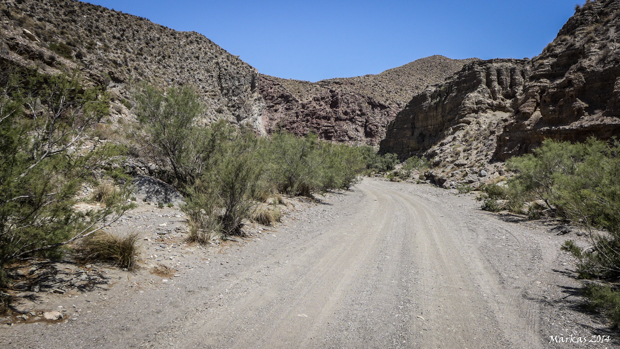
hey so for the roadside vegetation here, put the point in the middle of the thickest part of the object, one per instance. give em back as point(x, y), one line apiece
point(579, 183)
point(45, 160)
point(227, 174)
point(51, 151)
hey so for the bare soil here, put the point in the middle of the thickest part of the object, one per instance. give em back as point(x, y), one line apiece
point(386, 265)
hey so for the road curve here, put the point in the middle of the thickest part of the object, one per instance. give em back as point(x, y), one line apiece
point(397, 271)
point(386, 265)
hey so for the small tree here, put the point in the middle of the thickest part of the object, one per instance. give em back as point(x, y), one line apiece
point(44, 161)
point(221, 197)
point(293, 164)
point(173, 142)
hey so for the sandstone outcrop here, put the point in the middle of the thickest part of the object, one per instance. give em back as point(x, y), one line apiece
point(574, 89)
point(492, 110)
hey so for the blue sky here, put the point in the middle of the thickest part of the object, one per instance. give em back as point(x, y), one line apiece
point(314, 40)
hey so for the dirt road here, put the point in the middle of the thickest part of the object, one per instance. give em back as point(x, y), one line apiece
point(388, 265)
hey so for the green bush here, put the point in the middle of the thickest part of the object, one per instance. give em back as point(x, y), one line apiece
point(579, 182)
point(222, 171)
point(464, 188)
point(221, 197)
point(62, 49)
point(576, 181)
point(293, 163)
point(41, 169)
point(416, 163)
point(377, 162)
point(173, 141)
point(491, 194)
point(604, 299)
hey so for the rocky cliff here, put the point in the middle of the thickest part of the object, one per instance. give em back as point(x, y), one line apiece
point(492, 110)
point(354, 110)
point(574, 90)
point(114, 50)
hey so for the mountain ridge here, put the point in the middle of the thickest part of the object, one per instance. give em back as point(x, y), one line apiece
point(354, 110)
point(115, 50)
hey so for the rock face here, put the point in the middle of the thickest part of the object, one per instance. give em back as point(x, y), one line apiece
point(480, 88)
point(492, 110)
point(113, 49)
point(354, 110)
point(574, 89)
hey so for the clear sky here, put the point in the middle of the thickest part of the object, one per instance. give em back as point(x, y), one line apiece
point(319, 39)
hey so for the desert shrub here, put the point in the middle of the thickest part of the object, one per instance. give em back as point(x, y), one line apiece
point(303, 165)
point(464, 188)
point(172, 141)
point(576, 181)
point(605, 299)
point(413, 163)
point(340, 165)
point(62, 49)
point(580, 182)
point(235, 173)
point(221, 196)
point(416, 163)
point(103, 192)
point(202, 212)
point(538, 172)
point(491, 194)
point(266, 215)
point(42, 167)
point(376, 162)
point(105, 247)
point(293, 164)
point(222, 171)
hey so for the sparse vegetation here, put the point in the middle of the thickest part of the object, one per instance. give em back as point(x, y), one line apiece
point(381, 163)
point(605, 299)
point(222, 171)
point(43, 122)
point(464, 188)
point(578, 182)
point(266, 215)
point(62, 49)
point(413, 163)
point(104, 192)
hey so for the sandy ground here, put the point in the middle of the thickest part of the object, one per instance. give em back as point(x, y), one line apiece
point(386, 265)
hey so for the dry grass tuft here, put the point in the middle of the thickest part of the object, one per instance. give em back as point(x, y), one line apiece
point(105, 247)
point(266, 215)
point(103, 192)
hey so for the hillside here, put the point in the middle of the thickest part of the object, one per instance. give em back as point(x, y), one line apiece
point(354, 109)
point(492, 110)
point(115, 50)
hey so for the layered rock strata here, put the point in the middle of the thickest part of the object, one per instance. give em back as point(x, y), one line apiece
point(493, 110)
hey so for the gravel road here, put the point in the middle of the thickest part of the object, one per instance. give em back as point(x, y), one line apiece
point(387, 265)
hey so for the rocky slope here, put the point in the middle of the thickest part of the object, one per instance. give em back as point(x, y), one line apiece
point(114, 49)
point(492, 110)
point(574, 90)
point(355, 110)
